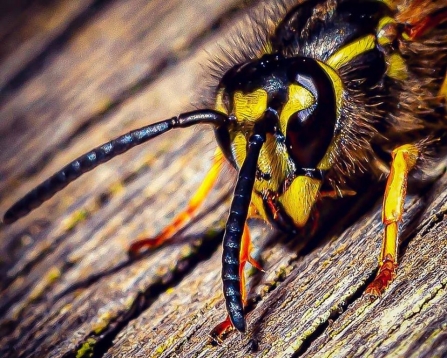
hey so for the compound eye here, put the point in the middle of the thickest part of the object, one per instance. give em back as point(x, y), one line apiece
point(310, 130)
point(308, 137)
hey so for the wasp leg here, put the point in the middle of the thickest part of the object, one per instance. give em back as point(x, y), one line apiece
point(244, 257)
point(404, 159)
point(181, 219)
point(334, 194)
point(420, 28)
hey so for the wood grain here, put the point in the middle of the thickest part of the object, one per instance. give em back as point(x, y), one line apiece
point(68, 289)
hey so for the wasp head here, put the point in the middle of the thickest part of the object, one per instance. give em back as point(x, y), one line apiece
point(296, 99)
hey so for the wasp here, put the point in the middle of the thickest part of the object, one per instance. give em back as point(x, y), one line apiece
point(335, 94)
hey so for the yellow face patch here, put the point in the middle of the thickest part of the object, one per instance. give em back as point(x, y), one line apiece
point(250, 106)
point(299, 98)
point(273, 160)
point(299, 199)
point(337, 85)
point(239, 148)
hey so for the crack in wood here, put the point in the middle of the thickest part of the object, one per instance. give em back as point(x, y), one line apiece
point(335, 313)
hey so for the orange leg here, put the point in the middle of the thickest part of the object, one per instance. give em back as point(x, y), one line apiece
point(334, 194)
point(418, 29)
point(184, 217)
point(404, 159)
point(244, 257)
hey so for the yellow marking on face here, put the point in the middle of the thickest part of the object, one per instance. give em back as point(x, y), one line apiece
point(299, 98)
point(250, 106)
point(397, 68)
point(337, 85)
point(350, 51)
point(273, 160)
point(386, 33)
point(299, 199)
point(327, 161)
point(220, 106)
point(239, 148)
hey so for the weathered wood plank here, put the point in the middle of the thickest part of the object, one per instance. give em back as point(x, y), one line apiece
point(28, 29)
point(318, 310)
point(67, 285)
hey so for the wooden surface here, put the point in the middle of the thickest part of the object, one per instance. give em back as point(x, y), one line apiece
point(75, 74)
